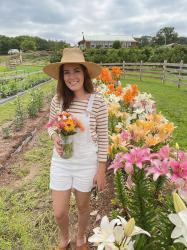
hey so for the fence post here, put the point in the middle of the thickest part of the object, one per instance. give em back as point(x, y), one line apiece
point(179, 76)
point(164, 71)
point(124, 69)
point(141, 70)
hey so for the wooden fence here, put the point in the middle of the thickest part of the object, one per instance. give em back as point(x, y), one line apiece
point(167, 72)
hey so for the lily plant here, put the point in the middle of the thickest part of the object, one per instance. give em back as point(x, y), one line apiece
point(179, 219)
point(116, 234)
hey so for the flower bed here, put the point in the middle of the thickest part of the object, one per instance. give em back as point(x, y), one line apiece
point(147, 170)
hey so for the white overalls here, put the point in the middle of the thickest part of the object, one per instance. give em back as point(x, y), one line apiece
point(79, 170)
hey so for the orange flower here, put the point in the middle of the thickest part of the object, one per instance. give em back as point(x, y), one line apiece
point(128, 97)
point(69, 125)
point(105, 76)
point(116, 72)
point(135, 89)
point(79, 124)
point(152, 140)
point(119, 90)
point(111, 87)
point(131, 93)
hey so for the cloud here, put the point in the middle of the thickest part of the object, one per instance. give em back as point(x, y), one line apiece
point(66, 20)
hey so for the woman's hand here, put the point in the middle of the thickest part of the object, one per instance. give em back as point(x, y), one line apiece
point(57, 142)
point(100, 177)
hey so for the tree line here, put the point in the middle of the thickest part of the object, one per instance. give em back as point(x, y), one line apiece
point(166, 35)
point(148, 49)
point(26, 43)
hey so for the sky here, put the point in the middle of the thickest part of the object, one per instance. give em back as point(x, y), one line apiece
point(67, 19)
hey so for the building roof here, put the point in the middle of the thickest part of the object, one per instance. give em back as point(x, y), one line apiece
point(110, 38)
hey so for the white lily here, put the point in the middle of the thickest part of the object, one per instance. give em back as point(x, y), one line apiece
point(113, 98)
point(181, 240)
point(180, 222)
point(136, 230)
point(103, 235)
point(116, 235)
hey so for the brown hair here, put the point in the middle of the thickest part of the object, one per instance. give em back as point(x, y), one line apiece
point(67, 95)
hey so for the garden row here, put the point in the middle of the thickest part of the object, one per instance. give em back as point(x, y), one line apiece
point(7, 109)
point(35, 101)
point(12, 87)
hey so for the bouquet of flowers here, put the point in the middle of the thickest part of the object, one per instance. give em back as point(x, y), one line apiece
point(66, 125)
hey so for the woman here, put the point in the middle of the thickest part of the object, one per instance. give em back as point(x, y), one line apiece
point(86, 168)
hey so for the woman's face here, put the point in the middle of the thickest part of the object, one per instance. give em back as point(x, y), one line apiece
point(73, 76)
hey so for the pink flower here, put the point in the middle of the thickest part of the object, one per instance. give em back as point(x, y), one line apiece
point(137, 156)
point(179, 169)
point(118, 162)
point(182, 156)
point(51, 123)
point(125, 135)
point(162, 154)
point(158, 168)
point(181, 186)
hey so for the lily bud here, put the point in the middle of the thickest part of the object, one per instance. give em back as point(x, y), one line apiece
point(177, 146)
point(129, 227)
point(178, 203)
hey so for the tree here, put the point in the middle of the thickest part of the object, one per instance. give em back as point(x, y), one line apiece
point(165, 36)
point(182, 40)
point(116, 44)
point(4, 44)
point(28, 45)
point(144, 41)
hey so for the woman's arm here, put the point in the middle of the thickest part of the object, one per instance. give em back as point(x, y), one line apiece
point(102, 130)
point(102, 135)
point(52, 116)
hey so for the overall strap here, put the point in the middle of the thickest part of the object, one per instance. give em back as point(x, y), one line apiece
point(90, 103)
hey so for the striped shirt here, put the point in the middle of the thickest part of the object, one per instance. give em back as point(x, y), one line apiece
point(98, 120)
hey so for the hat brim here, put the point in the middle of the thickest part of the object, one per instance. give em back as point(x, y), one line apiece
point(52, 69)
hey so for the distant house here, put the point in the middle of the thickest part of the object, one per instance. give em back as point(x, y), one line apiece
point(13, 51)
point(106, 41)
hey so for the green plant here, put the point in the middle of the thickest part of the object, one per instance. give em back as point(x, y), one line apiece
point(6, 132)
point(33, 105)
point(19, 113)
point(149, 211)
point(40, 99)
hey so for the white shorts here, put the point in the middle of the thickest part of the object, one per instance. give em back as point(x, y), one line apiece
point(77, 172)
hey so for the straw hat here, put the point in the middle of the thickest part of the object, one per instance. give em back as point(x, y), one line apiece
point(72, 55)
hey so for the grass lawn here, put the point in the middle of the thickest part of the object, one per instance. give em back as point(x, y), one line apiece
point(7, 110)
point(171, 101)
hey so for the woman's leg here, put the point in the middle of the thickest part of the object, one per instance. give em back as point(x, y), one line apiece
point(83, 202)
point(61, 200)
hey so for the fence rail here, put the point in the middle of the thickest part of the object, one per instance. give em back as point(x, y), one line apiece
point(173, 72)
